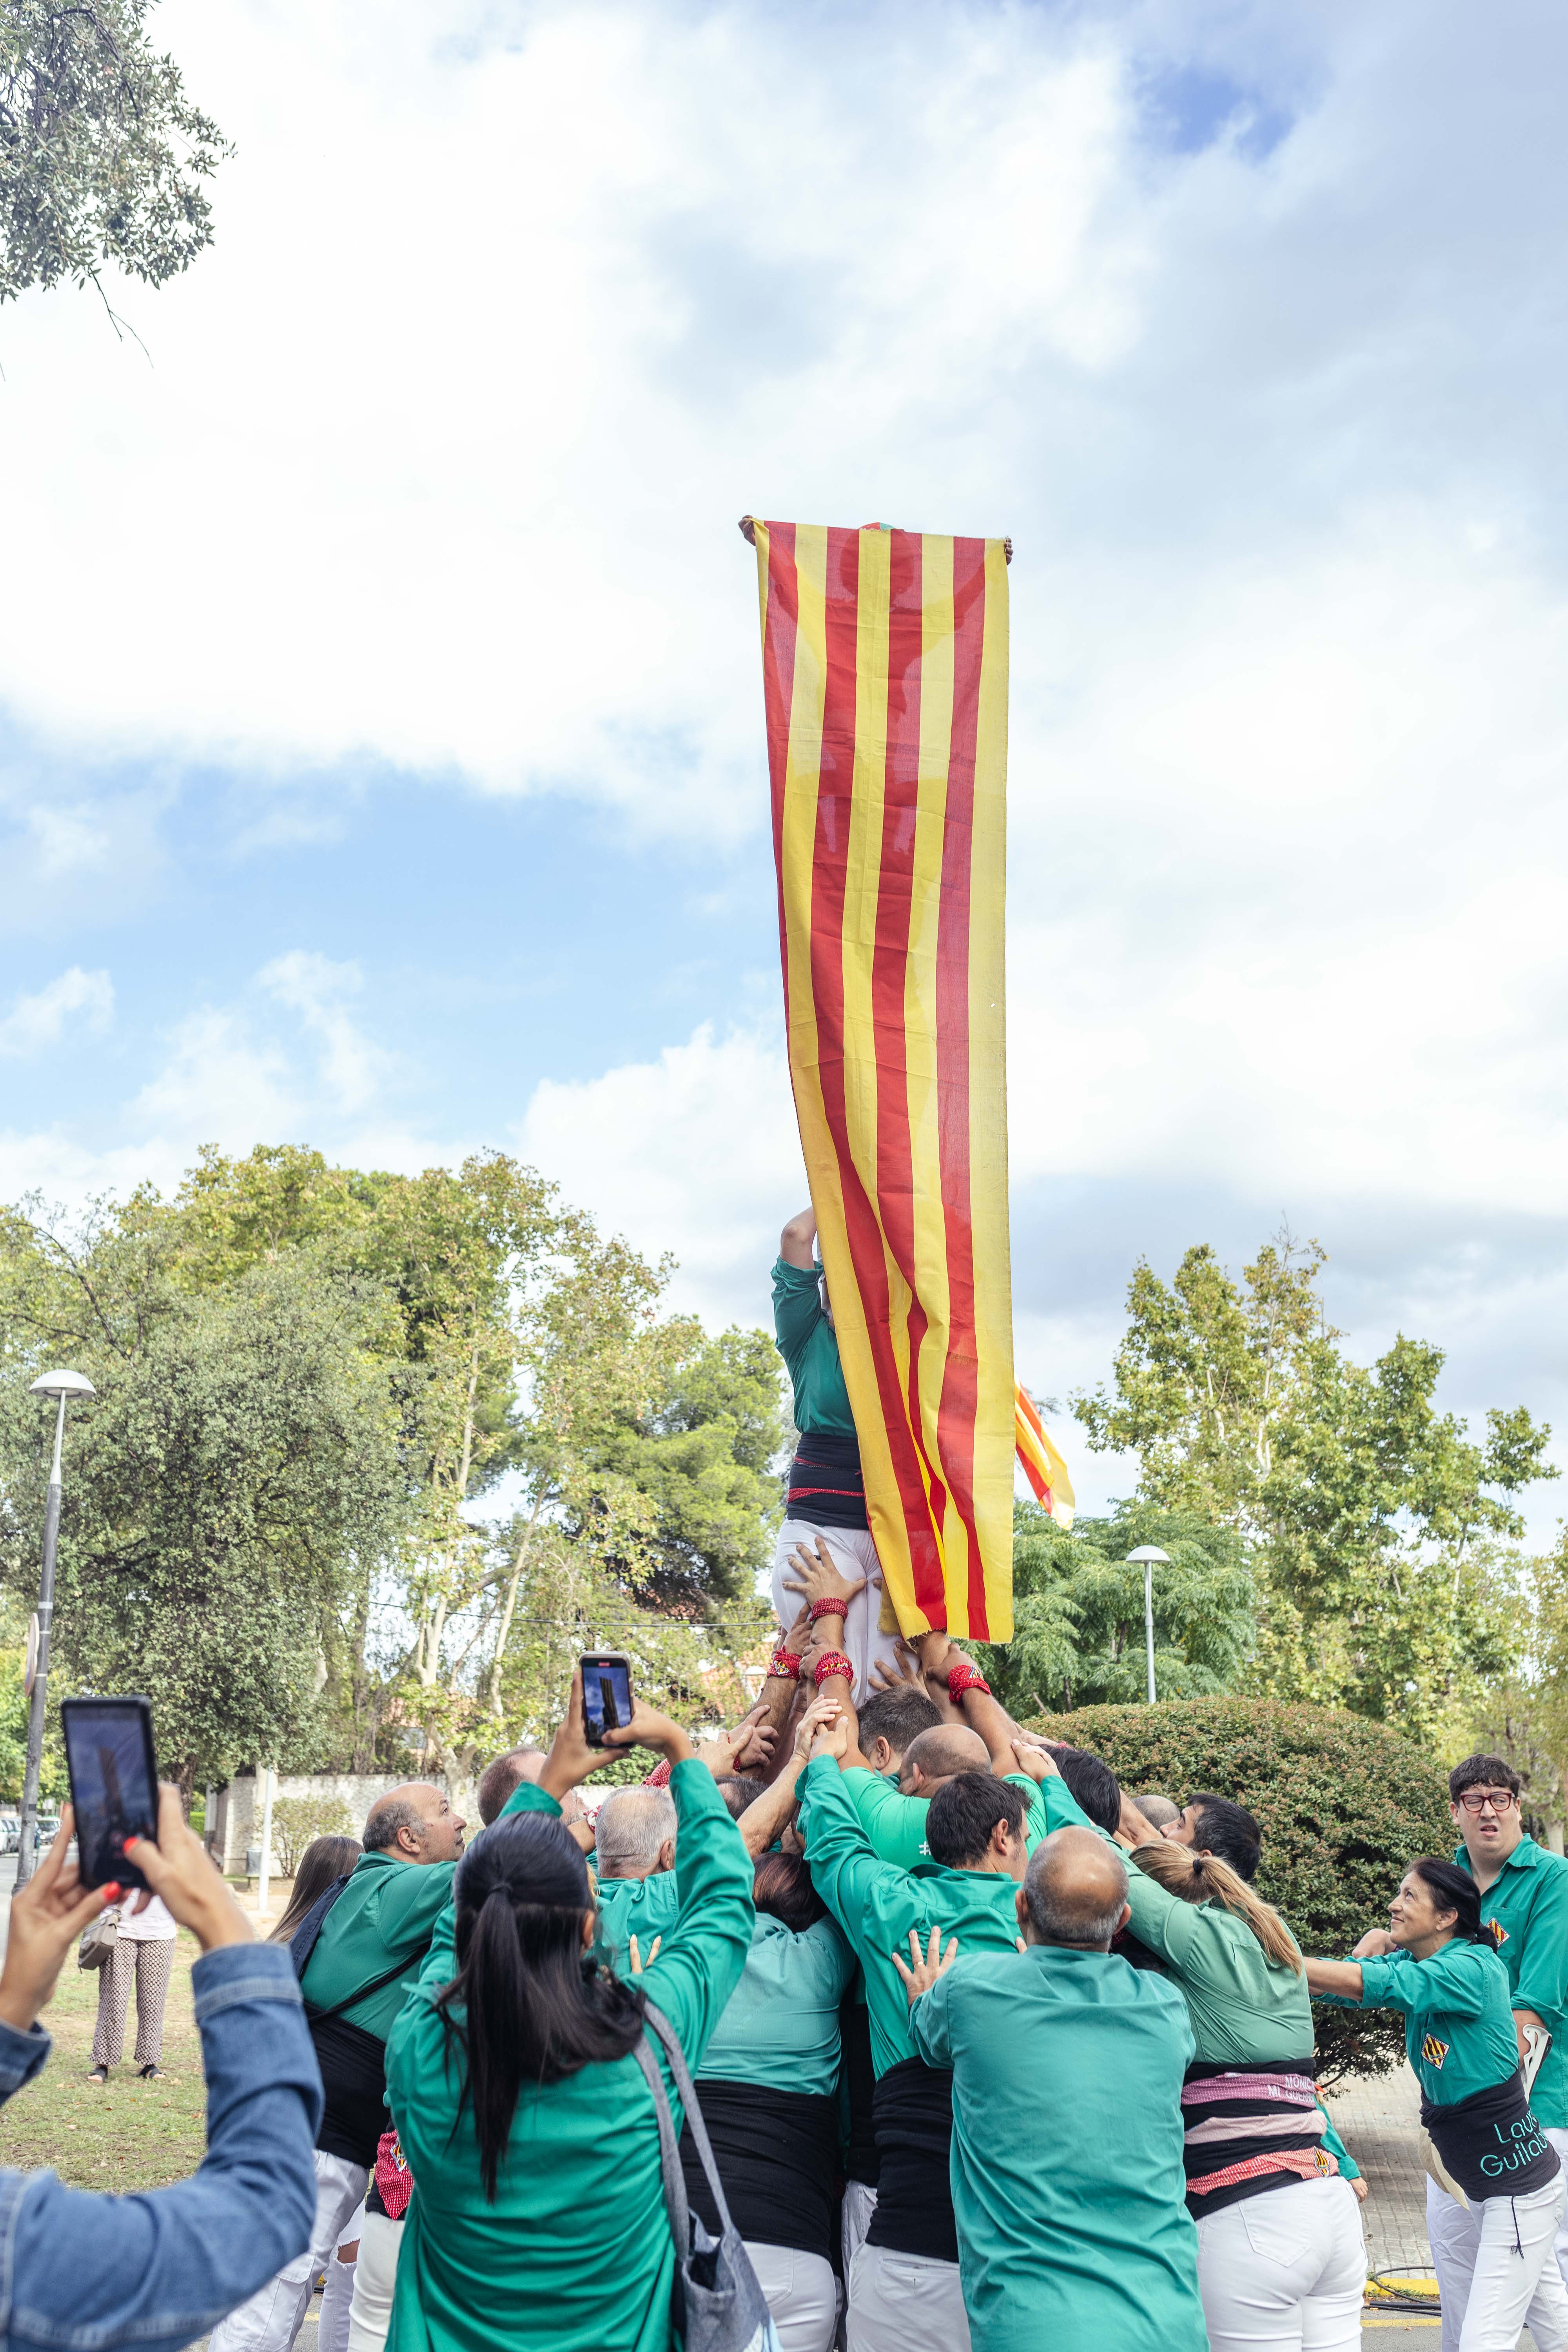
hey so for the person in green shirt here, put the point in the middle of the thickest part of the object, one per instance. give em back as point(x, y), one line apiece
point(366, 1956)
point(538, 2218)
point(1438, 1963)
point(826, 1498)
point(1524, 1901)
point(904, 2289)
point(634, 1863)
point(1068, 2187)
point(1255, 2129)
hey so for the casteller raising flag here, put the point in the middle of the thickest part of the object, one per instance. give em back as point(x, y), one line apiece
point(885, 677)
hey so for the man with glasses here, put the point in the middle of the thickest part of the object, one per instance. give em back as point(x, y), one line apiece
point(1524, 1899)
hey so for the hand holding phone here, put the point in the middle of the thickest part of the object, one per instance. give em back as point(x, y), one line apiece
point(607, 1701)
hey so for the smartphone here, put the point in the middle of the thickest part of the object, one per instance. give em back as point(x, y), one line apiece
point(606, 1694)
point(114, 1783)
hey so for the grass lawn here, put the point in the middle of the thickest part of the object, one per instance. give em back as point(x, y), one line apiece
point(122, 2134)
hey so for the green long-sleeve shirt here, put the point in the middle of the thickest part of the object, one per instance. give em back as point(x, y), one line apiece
point(805, 1340)
point(1067, 2184)
point(388, 1910)
point(877, 1904)
point(779, 2026)
point(575, 2254)
point(896, 1824)
point(1458, 2024)
point(1527, 1904)
point(642, 1908)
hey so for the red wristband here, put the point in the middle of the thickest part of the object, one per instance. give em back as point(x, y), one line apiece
point(658, 1778)
point(963, 1676)
point(784, 1667)
point(832, 1661)
point(826, 1607)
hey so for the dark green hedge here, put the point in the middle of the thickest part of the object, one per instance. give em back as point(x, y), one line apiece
point(1344, 1804)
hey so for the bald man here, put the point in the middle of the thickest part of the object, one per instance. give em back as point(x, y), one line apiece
point(893, 1805)
point(1066, 2120)
point(365, 1955)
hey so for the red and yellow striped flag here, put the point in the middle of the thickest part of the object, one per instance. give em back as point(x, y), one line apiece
point(885, 673)
point(1043, 1466)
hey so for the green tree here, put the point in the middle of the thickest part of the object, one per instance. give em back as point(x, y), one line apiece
point(103, 158)
point(1078, 1631)
point(1371, 1517)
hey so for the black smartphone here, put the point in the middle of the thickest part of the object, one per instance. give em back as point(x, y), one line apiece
point(606, 1694)
point(114, 1783)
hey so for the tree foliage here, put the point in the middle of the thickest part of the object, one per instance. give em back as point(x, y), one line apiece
point(1345, 1805)
point(1372, 1517)
point(103, 158)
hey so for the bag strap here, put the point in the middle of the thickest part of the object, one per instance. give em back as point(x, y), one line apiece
point(302, 1942)
point(314, 2016)
point(675, 2203)
point(660, 2024)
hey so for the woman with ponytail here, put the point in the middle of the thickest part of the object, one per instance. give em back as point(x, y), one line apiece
point(538, 2219)
point(1281, 2258)
point(1437, 1963)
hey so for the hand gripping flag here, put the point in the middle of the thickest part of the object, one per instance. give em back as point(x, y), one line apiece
point(1043, 1466)
point(884, 676)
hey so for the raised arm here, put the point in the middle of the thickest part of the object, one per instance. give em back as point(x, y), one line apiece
point(845, 1870)
point(797, 1240)
point(1334, 1981)
point(764, 1819)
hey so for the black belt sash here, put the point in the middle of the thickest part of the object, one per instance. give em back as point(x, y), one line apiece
point(777, 2153)
point(825, 1481)
point(914, 2109)
point(861, 2160)
point(353, 2077)
point(1491, 2143)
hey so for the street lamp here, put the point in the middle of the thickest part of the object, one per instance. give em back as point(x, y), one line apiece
point(58, 1385)
point(1147, 1554)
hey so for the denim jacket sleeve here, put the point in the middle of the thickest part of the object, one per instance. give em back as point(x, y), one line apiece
point(80, 2271)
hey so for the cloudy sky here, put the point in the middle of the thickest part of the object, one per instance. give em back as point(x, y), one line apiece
point(381, 745)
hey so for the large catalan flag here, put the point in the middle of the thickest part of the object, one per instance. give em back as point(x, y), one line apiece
point(885, 673)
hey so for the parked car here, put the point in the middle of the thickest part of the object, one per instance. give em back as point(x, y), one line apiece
point(48, 1829)
point(10, 1832)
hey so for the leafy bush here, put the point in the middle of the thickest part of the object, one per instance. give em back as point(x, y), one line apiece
point(296, 1821)
point(1344, 1804)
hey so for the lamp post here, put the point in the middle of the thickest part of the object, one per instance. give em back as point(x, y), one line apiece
point(1146, 1555)
point(59, 1386)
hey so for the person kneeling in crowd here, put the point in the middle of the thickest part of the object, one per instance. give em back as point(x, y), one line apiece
point(159, 2269)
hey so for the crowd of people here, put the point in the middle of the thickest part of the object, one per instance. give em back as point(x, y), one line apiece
point(878, 2021)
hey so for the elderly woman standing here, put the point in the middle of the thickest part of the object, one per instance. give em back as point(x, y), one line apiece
point(144, 1952)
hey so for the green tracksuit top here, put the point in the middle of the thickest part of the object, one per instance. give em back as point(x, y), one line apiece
point(1528, 1904)
point(896, 1824)
point(779, 2026)
point(877, 1904)
point(642, 1908)
point(1458, 2024)
point(575, 2254)
point(387, 1910)
point(1067, 2183)
point(805, 1340)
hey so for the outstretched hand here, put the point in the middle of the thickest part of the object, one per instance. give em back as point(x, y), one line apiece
point(925, 1967)
point(182, 1873)
point(48, 1915)
point(832, 1736)
point(824, 1710)
point(904, 1674)
point(819, 1578)
point(573, 1757)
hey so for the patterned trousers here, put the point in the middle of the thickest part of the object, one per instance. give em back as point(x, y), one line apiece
point(150, 1963)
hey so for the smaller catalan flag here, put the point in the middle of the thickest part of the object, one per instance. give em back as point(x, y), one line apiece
point(1043, 1466)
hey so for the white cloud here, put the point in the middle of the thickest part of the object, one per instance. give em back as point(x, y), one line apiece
point(36, 1023)
point(315, 987)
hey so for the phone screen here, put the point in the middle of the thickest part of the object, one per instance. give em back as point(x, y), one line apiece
point(114, 1786)
point(606, 1697)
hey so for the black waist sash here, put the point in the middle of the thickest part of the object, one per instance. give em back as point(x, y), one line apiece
point(1490, 2142)
point(353, 2077)
point(913, 2110)
point(777, 2153)
point(825, 1481)
point(862, 2161)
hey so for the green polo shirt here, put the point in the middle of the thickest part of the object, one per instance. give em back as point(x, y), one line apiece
point(1458, 2024)
point(896, 1824)
point(1527, 1902)
point(387, 1911)
point(779, 2025)
point(806, 1341)
point(642, 1908)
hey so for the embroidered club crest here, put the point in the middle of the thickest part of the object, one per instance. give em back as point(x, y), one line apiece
point(1500, 1932)
point(1434, 2051)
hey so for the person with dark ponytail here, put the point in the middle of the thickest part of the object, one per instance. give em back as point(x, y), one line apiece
point(538, 2219)
point(1438, 1964)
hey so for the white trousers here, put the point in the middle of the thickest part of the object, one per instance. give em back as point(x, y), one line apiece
point(1495, 2270)
point(853, 1555)
point(1286, 2268)
point(859, 2204)
point(1560, 2142)
point(271, 2319)
point(375, 2276)
point(801, 2293)
point(337, 2294)
point(904, 2303)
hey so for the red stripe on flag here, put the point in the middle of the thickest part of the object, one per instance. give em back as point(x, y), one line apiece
point(835, 794)
point(959, 1395)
